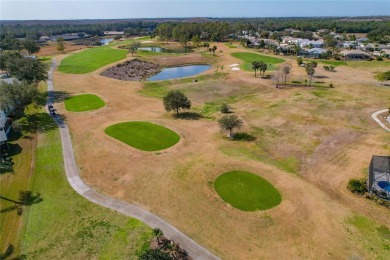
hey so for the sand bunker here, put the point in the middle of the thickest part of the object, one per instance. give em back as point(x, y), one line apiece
point(235, 68)
point(234, 65)
point(132, 70)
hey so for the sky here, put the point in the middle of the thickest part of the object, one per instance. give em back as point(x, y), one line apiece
point(115, 9)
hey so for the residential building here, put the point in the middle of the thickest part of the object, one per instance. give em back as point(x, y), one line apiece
point(355, 55)
point(311, 53)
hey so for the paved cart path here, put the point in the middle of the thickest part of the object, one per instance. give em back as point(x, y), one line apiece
point(375, 117)
point(194, 250)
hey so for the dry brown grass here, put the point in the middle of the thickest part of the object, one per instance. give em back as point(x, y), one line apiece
point(328, 133)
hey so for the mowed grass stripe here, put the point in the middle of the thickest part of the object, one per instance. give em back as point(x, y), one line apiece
point(91, 60)
point(143, 135)
point(83, 102)
point(247, 191)
point(249, 57)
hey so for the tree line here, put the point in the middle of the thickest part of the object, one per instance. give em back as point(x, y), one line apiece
point(214, 29)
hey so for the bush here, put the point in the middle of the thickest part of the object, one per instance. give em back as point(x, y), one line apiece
point(225, 108)
point(331, 85)
point(299, 61)
point(379, 58)
point(357, 186)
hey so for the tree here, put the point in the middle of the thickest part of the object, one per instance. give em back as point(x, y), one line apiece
point(26, 69)
point(134, 47)
point(299, 61)
point(310, 71)
point(263, 67)
point(61, 45)
point(157, 233)
point(195, 40)
point(286, 68)
point(229, 123)
point(155, 254)
point(255, 66)
point(31, 46)
point(176, 100)
point(183, 39)
point(18, 95)
point(225, 108)
point(117, 38)
point(206, 45)
point(384, 76)
point(214, 49)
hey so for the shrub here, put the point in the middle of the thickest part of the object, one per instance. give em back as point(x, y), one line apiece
point(379, 58)
point(357, 186)
point(299, 61)
point(331, 85)
point(225, 108)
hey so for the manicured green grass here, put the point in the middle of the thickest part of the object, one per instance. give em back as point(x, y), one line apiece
point(230, 45)
point(65, 225)
point(91, 59)
point(247, 191)
point(249, 57)
point(83, 102)
point(143, 135)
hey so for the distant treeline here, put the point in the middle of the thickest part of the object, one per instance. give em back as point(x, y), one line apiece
point(208, 28)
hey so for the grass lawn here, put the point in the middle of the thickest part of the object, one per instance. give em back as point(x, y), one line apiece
point(329, 62)
point(83, 102)
point(91, 59)
point(230, 45)
point(247, 191)
point(143, 135)
point(249, 57)
point(65, 225)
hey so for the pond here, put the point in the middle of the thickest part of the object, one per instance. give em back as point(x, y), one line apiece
point(106, 41)
point(160, 49)
point(179, 72)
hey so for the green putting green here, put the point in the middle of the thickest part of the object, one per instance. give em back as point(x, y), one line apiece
point(249, 57)
point(247, 191)
point(143, 135)
point(83, 102)
point(91, 59)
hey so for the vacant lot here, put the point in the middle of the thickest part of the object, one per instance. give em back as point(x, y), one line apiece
point(309, 142)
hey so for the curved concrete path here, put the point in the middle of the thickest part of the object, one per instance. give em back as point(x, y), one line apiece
point(375, 117)
point(194, 250)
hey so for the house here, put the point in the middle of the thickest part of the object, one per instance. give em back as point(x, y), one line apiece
point(350, 44)
point(5, 130)
point(114, 33)
point(355, 55)
point(378, 181)
point(311, 53)
point(44, 39)
point(386, 53)
point(70, 36)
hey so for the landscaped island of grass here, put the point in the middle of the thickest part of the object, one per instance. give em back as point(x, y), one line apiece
point(83, 102)
point(247, 191)
point(143, 135)
point(249, 57)
point(91, 59)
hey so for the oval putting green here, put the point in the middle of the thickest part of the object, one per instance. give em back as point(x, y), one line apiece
point(247, 191)
point(83, 102)
point(143, 135)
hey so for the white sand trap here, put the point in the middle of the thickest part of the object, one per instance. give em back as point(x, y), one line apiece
point(234, 65)
point(235, 68)
point(146, 41)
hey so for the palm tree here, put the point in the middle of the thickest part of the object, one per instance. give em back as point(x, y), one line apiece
point(263, 67)
point(157, 233)
point(255, 66)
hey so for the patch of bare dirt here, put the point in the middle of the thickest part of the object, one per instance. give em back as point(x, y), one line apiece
point(132, 70)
